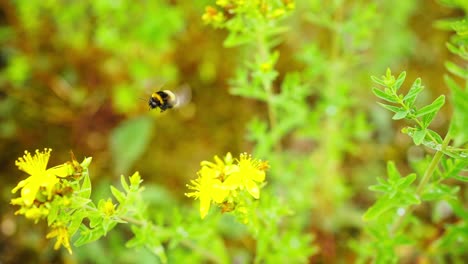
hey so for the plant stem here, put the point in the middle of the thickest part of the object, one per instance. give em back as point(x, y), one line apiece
point(264, 52)
point(425, 179)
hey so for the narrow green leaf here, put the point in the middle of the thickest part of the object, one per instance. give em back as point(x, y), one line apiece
point(393, 173)
point(124, 184)
point(456, 70)
point(79, 201)
point(400, 115)
point(95, 219)
point(410, 198)
point(382, 95)
point(108, 224)
point(454, 49)
point(459, 124)
point(457, 168)
point(119, 196)
point(381, 206)
point(418, 136)
point(379, 188)
point(427, 119)
point(461, 178)
point(436, 136)
point(433, 107)
point(77, 218)
point(412, 94)
point(88, 235)
point(405, 182)
point(53, 213)
point(378, 80)
point(399, 81)
point(85, 191)
point(440, 191)
point(392, 108)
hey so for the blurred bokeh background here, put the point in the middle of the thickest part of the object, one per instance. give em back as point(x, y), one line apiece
point(73, 73)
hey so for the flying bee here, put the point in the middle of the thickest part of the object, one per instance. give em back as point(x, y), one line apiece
point(167, 99)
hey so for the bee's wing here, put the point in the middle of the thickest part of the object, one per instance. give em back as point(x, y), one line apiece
point(183, 96)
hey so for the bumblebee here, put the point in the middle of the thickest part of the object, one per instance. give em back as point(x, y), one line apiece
point(166, 99)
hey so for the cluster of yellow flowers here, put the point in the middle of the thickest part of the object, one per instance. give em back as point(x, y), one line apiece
point(41, 188)
point(220, 182)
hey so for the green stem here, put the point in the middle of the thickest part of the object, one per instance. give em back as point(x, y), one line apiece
point(424, 181)
point(267, 85)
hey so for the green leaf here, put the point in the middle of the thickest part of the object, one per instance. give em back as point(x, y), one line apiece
point(379, 188)
point(433, 107)
point(108, 224)
point(119, 196)
point(382, 95)
point(393, 173)
point(85, 191)
point(427, 119)
point(418, 136)
point(392, 108)
point(88, 235)
point(405, 182)
point(128, 142)
point(378, 81)
point(455, 172)
point(124, 183)
point(459, 124)
point(440, 191)
point(410, 198)
point(75, 223)
point(412, 94)
point(381, 206)
point(85, 163)
point(400, 115)
point(79, 201)
point(95, 219)
point(399, 81)
point(436, 136)
point(456, 70)
point(53, 213)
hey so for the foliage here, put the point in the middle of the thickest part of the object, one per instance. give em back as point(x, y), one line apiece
point(395, 207)
point(72, 75)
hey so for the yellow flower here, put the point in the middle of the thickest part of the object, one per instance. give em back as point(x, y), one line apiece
point(207, 188)
point(213, 16)
point(219, 181)
point(40, 177)
point(63, 238)
point(250, 172)
point(108, 208)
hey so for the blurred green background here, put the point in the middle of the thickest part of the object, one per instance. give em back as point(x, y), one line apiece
point(73, 73)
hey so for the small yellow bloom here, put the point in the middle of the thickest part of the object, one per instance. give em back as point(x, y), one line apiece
point(40, 177)
point(213, 16)
point(207, 188)
point(63, 238)
point(108, 208)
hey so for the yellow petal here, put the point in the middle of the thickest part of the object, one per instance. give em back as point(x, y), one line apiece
point(252, 188)
point(205, 202)
point(63, 170)
point(257, 175)
point(28, 193)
